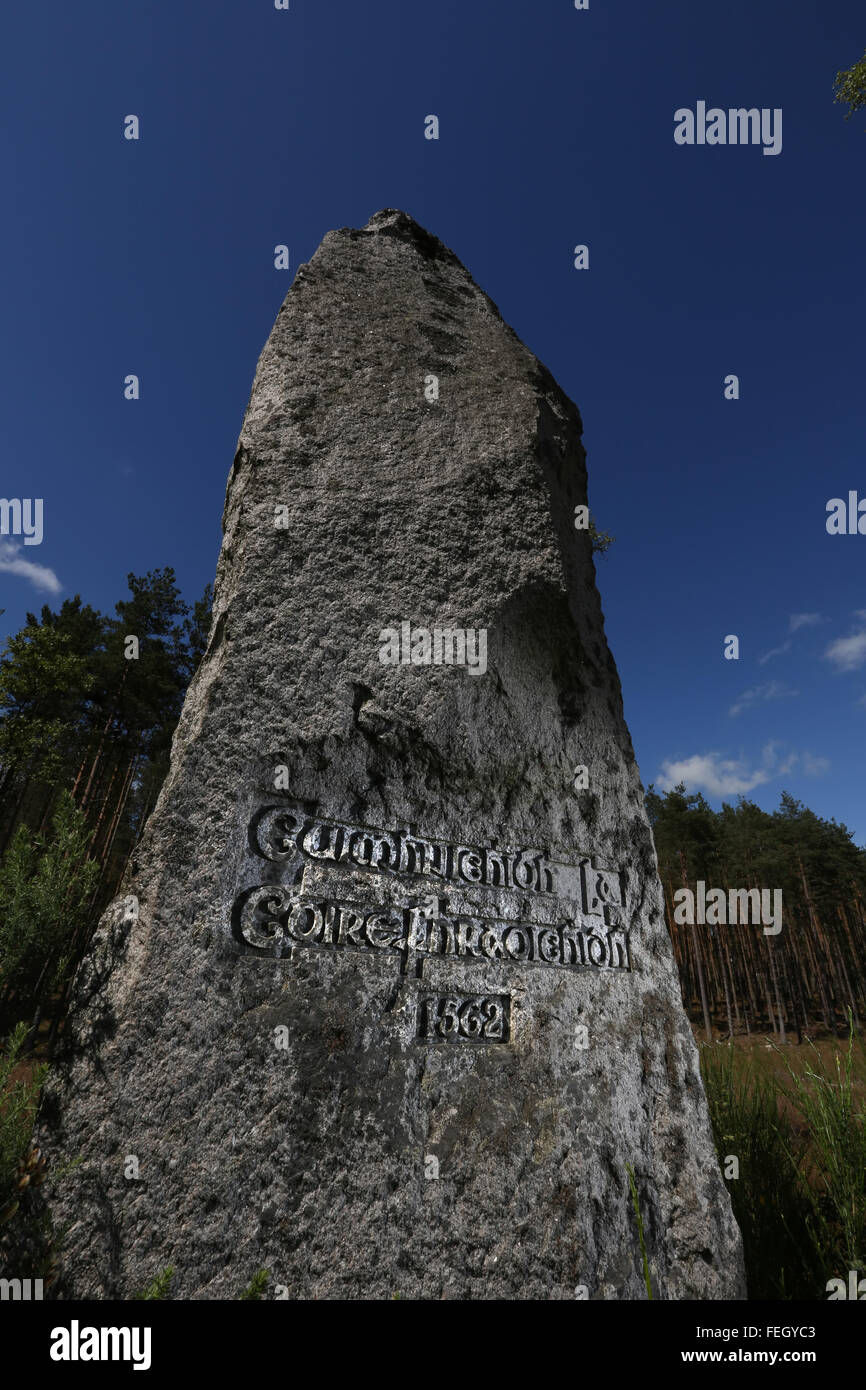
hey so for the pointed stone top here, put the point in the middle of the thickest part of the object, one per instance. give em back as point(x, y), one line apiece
point(396, 218)
point(395, 223)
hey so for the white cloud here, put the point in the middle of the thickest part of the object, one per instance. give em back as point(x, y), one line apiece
point(847, 653)
point(795, 622)
point(40, 576)
point(770, 759)
point(798, 620)
point(711, 773)
point(720, 777)
point(776, 651)
point(772, 690)
point(815, 767)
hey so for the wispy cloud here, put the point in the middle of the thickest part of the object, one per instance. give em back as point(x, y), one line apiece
point(815, 767)
point(719, 776)
point(847, 653)
point(776, 651)
point(771, 690)
point(40, 576)
point(798, 620)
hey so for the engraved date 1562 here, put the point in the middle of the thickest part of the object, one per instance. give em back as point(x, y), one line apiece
point(480, 1018)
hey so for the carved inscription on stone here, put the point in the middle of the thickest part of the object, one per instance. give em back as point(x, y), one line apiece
point(481, 1018)
point(280, 833)
point(580, 908)
point(273, 918)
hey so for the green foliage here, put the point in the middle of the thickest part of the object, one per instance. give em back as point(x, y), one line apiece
point(850, 87)
point(159, 1287)
point(635, 1201)
point(74, 711)
point(29, 1241)
point(197, 629)
point(800, 1197)
point(45, 888)
point(18, 1102)
point(770, 1197)
point(821, 874)
point(79, 719)
point(601, 541)
point(755, 845)
point(837, 1128)
point(257, 1286)
point(44, 683)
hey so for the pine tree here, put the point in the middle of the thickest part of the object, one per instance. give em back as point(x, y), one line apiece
point(46, 884)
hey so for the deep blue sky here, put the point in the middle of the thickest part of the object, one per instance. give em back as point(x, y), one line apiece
point(260, 127)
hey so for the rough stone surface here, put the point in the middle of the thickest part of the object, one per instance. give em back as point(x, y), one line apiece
point(283, 1109)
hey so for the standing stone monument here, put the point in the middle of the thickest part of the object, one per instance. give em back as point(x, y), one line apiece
point(389, 1005)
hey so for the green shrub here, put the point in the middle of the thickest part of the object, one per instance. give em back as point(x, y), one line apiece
point(158, 1288)
point(837, 1130)
point(770, 1198)
point(45, 890)
point(18, 1102)
point(257, 1285)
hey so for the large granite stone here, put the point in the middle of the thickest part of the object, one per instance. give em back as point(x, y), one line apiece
point(389, 1004)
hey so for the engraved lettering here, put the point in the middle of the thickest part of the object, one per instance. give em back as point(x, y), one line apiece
point(618, 941)
point(418, 928)
point(475, 1018)
point(572, 946)
point(523, 872)
point(442, 938)
point(305, 922)
point(600, 890)
point(413, 856)
point(312, 845)
point(470, 865)
point(269, 917)
point(328, 929)
point(491, 944)
point(448, 1019)
point(280, 832)
point(550, 947)
point(517, 943)
point(468, 938)
point(495, 869)
point(381, 931)
point(351, 927)
point(260, 917)
point(361, 847)
point(602, 956)
point(277, 832)
point(495, 1011)
point(471, 1018)
point(386, 853)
